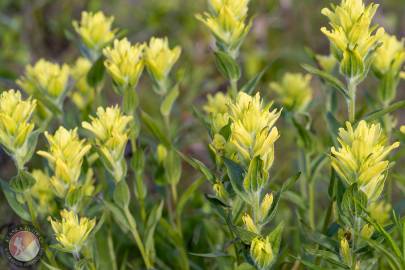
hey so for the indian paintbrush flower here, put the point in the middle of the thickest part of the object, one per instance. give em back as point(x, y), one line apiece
point(252, 130)
point(84, 93)
point(15, 126)
point(361, 157)
point(353, 38)
point(159, 60)
point(380, 211)
point(387, 65)
point(261, 252)
point(227, 23)
point(124, 63)
point(217, 110)
point(46, 78)
point(110, 130)
point(294, 91)
point(65, 157)
point(72, 231)
point(95, 30)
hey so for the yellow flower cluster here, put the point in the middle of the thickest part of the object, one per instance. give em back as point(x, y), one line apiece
point(352, 35)
point(15, 128)
point(159, 58)
point(390, 56)
point(95, 29)
point(252, 130)
point(84, 93)
point(217, 109)
point(45, 78)
point(261, 252)
point(65, 156)
point(380, 211)
point(227, 23)
point(361, 157)
point(72, 232)
point(294, 91)
point(111, 132)
point(124, 62)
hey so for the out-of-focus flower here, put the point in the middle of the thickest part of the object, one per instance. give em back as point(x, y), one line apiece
point(72, 232)
point(294, 91)
point(261, 252)
point(42, 192)
point(65, 156)
point(249, 223)
point(352, 36)
point(111, 132)
point(84, 93)
point(387, 66)
point(361, 157)
point(252, 130)
point(367, 231)
point(327, 62)
point(217, 110)
point(15, 128)
point(95, 29)
point(402, 129)
point(45, 78)
point(380, 211)
point(161, 153)
point(159, 58)
point(238, 7)
point(124, 62)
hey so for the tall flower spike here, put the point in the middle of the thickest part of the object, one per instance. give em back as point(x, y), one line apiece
point(352, 36)
point(15, 128)
point(159, 59)
point(95, 29)
point(65, 156)
point(361, 157)
point(71, 231)
point(124, 63)
point(252, 130)
point(294, 91)
point(45, 78)
point(83, 94)
point(111, 132)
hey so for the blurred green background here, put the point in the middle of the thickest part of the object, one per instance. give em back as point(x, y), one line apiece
point(34, 29)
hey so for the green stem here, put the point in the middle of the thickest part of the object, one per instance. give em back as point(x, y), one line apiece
point(137, 237)
point(352, 87)
point(234, 88)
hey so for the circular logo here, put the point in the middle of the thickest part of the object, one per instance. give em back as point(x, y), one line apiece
point(23, 245)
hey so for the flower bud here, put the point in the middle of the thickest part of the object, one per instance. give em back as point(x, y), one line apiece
point(219, 190)
point(249, 223)
point(161, 153)
point(72, 232)
point(95, 30)
point(124, 63)
point(367, 231)
point(261, 252)
point(265, 206)
point(345, 252)
point(380, 211)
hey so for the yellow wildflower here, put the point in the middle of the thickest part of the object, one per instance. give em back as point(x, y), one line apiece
point(361, 157)
point(95, 29)
point(352, 35)
point(84, 93)
point(252, 130)
point(72, 232)
point(217, 108)
point(111, 132)
point(15, 128)
point(402, 129)
point(249, 223)
point(65, 156)
point(327, 62)
point(265, 205)
point(161, 153)
point(345, 251)
point(390, 56)
point(261, 252)
point(42, 192)
point(380, 211)
point(45, 78)
point(238, 7)
point(159, 58)
point(124, 62)
point(367, 231)
point(294, 91)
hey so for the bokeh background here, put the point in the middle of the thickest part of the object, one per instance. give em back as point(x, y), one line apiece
point(34, 29)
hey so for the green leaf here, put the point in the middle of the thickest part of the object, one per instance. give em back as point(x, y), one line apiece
point(169, 100)
point(96, 72)
point(275, 238)
point(381, 112)
point(210, 255)
point(119, 215)
point(17, 207)
point(227, 65)
point(153, 219)
point(391, 259)
point(328, 78)
point(354, 202)
point(198, 165)
point(121, 194)
point(236, 175)
point(130, 101)
point(172, 165)
point(215, 201)
point(304, 134)
point(251, 85)
point(22, 181)
point(187, 195)
point(329, 256)
point(154, 128)
point(244, 235)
